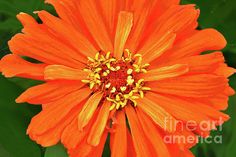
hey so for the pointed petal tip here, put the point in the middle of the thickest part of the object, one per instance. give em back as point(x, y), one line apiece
point(19, 100)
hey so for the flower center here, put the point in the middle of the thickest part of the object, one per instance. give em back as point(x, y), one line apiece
point(117, 79)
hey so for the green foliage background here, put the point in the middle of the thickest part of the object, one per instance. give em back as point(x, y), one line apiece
point(14, 118)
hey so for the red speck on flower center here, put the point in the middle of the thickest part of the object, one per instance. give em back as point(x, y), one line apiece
point(116, 81)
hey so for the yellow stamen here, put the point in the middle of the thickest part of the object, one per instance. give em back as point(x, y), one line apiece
point(129, 71)
point(104, 74)
point(91, 59)
point(108, 85)
point(130, 80)
point(108, 65)
point(112, 106)
point(97, 56)
point(117, 68)
point(85, 81)
point(123, 89)
point(108, 55)
point(113, 90)
point(92, 84)
point(112, 69)
point(104, 67)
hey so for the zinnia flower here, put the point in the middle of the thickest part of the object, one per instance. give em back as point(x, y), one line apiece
point(125, 68)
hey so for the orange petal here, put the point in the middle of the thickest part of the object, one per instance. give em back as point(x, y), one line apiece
point(110, 13)
point(175, 19)
point(165, 72)
point(224, 70)
point(159, 115)
point(141, 9)
point(203, 40)
point(99, 125)
point(61, 7)
point(48, 92)
point(88, 109)
point(220, 100)
point(152, 134)
point(186, 133)
point(125, 23)
point(26, 19)
point(83, 150)
point(130, 145)
point(78, 40)
point(160, 6)
point(12, 65)
point(66, 11)
point(98, 151)
point(119, 137)
point(40, 35)
point(186, 110)
point(53, 136)
point(199, 85)
point(95, 24)
point(141, 144)
point(188, 153)
point(54, 72)
point(179, 151)
point(157, 47)
point(169, 2)
point(72, 136)
point(36, 49)
point(52, 115)
point(86, 150)
point(208, 62)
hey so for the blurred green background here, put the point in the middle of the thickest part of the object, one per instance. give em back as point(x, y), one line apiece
point(14, 118)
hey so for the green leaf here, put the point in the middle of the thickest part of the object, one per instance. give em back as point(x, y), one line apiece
point(106, 151)
point(14, 120)
point(10, 24)
point(56, 151)
point(24, 83)
point(7, 8)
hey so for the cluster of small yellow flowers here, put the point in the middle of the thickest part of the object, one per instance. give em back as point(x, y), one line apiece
point(117, 78)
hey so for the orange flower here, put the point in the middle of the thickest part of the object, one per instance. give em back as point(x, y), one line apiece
point(131, 69)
